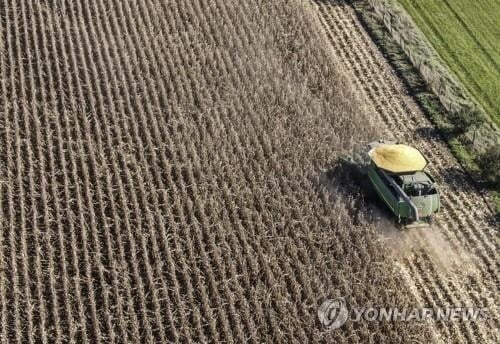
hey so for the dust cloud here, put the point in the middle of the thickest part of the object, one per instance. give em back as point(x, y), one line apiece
point(406, 243)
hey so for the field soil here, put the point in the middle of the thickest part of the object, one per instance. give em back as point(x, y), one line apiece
point(169, 173)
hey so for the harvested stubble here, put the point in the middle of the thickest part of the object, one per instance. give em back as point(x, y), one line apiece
point(160, 166)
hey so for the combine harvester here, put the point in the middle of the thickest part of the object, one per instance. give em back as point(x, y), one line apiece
point(397, 174)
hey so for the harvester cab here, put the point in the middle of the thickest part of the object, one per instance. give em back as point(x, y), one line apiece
point(397, 174)
point(417, 184)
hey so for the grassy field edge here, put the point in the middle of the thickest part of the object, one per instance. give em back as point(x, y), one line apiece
point(443, 108)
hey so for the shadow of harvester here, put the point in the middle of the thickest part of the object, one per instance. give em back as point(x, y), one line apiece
point(348, 179)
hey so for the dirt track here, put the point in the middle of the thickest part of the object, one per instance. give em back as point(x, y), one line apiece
point(466, 270)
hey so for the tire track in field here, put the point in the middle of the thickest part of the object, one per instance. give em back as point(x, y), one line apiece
point(471, 231)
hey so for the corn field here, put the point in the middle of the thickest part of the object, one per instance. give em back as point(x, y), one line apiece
point(168, 174)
